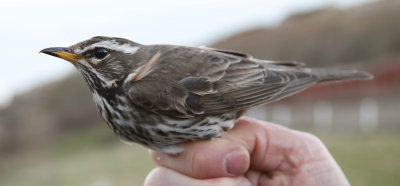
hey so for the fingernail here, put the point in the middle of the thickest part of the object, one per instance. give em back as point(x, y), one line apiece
point(235, 162)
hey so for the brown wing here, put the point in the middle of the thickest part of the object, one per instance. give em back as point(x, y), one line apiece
point(210, 82)
point(250, 57)
point(273, 86)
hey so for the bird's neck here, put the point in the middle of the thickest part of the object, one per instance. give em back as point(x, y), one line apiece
point(101, 85)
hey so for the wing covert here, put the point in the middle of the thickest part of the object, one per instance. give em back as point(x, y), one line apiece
point(213, 83)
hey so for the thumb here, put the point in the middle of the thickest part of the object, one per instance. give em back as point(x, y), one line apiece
point(208, 159)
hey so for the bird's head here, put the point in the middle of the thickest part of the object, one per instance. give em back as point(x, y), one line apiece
point(103, 61)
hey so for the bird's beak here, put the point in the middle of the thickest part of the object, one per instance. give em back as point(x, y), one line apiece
point(61, 52)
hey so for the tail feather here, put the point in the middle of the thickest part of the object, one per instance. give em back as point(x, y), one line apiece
point(325, 75)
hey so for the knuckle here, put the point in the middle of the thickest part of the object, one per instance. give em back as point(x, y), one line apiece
point(193, 164)
point(311, 138)
point(312, 143)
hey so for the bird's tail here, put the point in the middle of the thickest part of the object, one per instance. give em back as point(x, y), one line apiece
point(340, 75)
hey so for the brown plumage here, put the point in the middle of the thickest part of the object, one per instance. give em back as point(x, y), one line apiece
point(162, 96)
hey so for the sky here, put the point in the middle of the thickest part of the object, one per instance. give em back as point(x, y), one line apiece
point(28, 26)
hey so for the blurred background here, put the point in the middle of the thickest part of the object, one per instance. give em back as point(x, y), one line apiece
point(52, 134)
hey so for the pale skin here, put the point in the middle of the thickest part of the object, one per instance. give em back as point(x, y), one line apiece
point(253, 153)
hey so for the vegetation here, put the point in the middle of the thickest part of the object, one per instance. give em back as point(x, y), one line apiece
point(93, 157)
point(367, 159)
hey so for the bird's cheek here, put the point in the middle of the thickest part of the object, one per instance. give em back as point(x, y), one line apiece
point(86, 63)
point(94, 62)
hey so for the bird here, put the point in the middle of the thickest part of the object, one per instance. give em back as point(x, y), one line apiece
point(165, 96)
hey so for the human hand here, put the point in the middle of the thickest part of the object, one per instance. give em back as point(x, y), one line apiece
point(252, 153)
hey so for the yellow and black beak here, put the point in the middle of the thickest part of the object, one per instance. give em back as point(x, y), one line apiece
point(62, 53)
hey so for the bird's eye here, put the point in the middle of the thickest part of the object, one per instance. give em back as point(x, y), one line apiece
point(100, 53)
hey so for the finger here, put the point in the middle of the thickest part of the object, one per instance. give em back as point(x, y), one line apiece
point(261, 178)
point(281, 156)
point(271, 147)
point(208, 159)
point(167, 177)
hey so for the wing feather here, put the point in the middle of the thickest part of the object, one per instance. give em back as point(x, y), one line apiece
point(215, 82)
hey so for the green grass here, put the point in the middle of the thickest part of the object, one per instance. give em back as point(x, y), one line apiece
point(367, 159)
point(90, 158)
point(97, 158)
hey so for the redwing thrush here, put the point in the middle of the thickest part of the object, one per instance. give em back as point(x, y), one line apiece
point(162, 96)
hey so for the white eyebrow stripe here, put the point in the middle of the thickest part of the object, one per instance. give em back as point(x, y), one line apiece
point(112, 45)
